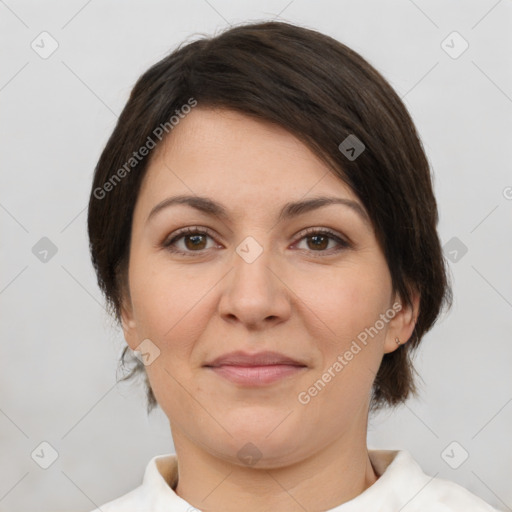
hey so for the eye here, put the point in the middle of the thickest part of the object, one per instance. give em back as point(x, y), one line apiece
point(195, 240)
point(317, 240)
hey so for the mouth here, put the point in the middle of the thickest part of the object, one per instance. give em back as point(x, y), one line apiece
point(258, 369)
point(256, 375)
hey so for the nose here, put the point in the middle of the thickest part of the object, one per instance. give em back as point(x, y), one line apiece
point(254, 293)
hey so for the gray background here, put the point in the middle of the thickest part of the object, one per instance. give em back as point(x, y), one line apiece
point(59, 350)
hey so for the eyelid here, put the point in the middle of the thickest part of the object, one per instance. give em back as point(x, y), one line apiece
point(343, 241)
point(190, 230)
point(322, 230)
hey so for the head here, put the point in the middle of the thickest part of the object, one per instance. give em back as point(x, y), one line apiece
point(253, 120)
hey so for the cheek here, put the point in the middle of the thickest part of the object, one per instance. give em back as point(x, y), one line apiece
point(345, 300)
point(172, 309)
point(343, 308)
point(170, 306)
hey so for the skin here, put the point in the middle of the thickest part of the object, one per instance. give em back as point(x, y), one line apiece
point(306, 302)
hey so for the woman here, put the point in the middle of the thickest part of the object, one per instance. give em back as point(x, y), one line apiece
point(263, 226)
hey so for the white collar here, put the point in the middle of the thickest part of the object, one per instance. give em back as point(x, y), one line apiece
point(402, 485)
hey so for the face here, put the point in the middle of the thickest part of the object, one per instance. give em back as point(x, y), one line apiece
point(310, 283)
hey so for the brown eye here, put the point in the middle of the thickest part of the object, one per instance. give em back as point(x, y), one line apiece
point(194, 241)
point(318, 241)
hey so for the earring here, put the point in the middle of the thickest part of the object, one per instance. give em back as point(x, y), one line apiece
point(397, 341)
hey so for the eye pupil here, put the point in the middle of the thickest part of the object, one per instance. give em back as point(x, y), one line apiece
point(196, 243)
point(321, 245)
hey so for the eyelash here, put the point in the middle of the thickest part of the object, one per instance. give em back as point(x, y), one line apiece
point(182, 233)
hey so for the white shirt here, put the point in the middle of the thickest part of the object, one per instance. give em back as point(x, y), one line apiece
point(402, 485)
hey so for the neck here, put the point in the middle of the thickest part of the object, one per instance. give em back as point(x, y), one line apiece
point(334, 475)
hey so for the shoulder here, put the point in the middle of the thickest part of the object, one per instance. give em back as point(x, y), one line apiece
point(446, 496)
point(421, 492)
point(132, 501)
point(153, 493)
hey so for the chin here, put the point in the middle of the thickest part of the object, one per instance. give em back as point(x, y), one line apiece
point(264, 444)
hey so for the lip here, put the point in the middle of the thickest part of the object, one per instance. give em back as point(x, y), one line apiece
point(256, 375)
point(257, 369)
point(266, 358)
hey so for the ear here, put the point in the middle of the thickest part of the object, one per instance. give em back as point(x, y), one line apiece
point(129, 325)
point(401, 326)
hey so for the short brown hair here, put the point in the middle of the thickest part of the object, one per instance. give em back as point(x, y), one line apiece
point(322, 92)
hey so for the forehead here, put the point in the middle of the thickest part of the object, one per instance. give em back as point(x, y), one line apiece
point(241, 161)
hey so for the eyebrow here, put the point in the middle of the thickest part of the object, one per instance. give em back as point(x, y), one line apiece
point(289, 210)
